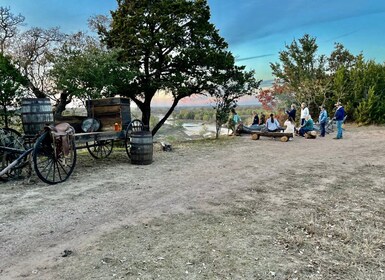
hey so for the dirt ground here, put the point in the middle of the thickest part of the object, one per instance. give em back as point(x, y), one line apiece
point(232, 208)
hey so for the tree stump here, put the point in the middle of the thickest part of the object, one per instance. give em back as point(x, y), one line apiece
point(311, 134)
point(254, 136)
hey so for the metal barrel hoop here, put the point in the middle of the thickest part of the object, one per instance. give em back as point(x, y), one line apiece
point(134, 126)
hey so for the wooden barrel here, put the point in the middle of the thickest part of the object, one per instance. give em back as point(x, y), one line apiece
point(35, 114)
point(141, 147)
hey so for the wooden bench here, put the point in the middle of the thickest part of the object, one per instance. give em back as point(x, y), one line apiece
point(284, 137)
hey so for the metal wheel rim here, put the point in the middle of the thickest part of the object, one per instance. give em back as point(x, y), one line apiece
point(100, 149)
point(51, 165)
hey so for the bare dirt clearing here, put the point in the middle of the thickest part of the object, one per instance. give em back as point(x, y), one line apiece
point(228, 209)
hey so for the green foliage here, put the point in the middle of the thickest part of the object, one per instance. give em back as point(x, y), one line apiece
point(357, 83)
point(365, 94)
point(87, 71)
point(302, 71)
point(11, 82)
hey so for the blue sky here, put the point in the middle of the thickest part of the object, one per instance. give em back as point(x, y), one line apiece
point(256, 30)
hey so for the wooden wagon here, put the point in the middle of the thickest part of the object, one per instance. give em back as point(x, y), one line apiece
point(53, 147)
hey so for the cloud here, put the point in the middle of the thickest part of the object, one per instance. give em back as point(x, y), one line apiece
point(253, 57)
point(341, 36)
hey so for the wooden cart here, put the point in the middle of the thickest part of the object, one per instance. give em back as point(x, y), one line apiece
point(54, 149)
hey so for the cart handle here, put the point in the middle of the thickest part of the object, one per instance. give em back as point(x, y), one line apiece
point(15, 162)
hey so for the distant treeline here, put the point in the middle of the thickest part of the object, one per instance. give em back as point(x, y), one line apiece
point(207, 114)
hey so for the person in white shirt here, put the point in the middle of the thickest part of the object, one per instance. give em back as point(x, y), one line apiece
point(290, 125)
point(304, 112)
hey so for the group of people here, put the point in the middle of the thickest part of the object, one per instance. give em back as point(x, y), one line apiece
point(306, 122)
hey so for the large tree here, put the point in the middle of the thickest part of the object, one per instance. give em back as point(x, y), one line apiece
point(171, 45)
point(303, 71)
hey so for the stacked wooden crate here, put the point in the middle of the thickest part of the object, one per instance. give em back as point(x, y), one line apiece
point(110, 111)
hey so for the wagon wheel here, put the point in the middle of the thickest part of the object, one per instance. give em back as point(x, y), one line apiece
point(100, 149)
point(51, 164)
point(135, 125)
point(10, 138)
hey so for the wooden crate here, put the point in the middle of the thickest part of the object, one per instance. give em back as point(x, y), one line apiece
point(110, 111)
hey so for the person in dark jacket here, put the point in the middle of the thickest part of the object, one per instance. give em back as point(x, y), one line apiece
point(262, 120)
point(255, 118)
point(292, 112)
point(339, 117)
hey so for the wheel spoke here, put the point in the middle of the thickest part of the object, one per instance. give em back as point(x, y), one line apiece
point(48, 160)
point(100, 149)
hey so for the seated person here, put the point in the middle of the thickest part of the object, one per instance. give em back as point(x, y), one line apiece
point(262, 120)
point(254, 127)
point(307, 126)
point(290, 125)
point(272, 124)
point(255, 118)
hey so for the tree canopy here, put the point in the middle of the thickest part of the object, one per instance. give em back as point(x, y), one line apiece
point(170, 45)
point(318, 79)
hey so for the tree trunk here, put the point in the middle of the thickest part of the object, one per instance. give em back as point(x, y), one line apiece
point(61, 105)
point(37, 92)
point(5, 116)
point(163, 120)
point(218, 127)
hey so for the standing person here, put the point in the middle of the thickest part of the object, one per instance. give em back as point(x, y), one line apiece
point(263, 119)
point(323, 116)
point(272, 124)
point(234, 121)
point(292, 112)
point(304, 112)
point(255, 118)
point(339, 117)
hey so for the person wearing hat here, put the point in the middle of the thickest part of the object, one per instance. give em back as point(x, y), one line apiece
point(323, 116)
point(339, 117)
